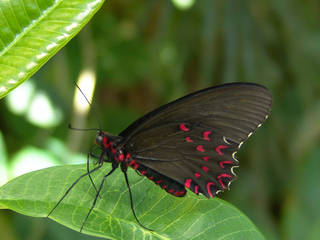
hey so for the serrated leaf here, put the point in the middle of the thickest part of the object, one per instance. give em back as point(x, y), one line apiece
point(31, 32)
point(191, 217)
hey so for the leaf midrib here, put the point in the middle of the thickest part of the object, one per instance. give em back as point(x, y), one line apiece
point(29, 27)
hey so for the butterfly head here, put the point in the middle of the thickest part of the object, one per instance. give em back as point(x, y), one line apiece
point(106, 140)
point(102, 140)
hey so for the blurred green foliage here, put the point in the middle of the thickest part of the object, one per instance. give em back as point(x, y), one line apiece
point(147, 53)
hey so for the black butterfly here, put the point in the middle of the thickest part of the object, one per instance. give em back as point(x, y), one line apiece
point(188, 143)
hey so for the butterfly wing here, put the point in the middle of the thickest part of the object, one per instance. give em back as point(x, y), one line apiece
point(193, 140)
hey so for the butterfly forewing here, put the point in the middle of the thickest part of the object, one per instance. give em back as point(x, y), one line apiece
point(193, 140)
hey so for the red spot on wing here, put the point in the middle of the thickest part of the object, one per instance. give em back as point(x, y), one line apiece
point(183, 127)
point(188, 139)
point(197, 175)
point(205, 168)
point(151, 177)
point(187, 183)
point(223, 175)
point(205, 158)
point(206, 135)
point(121, 157)
point(218, 149)
point(158, 182)
point(224, 162)
point(128, 156)
point(113, 150)
point(179, 193)
point(209, 184)
point(196, 189)
point(164, 186)
point(200, 148)
point(171, 190)
point(143, 172)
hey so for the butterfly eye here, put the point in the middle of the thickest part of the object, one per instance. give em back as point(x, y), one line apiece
point(99, 139)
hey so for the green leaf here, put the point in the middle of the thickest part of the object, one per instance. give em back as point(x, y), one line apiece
point(190, 217)
point(31, 32)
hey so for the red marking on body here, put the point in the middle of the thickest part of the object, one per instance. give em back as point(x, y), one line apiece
point(224, 162)
point(196, 189)
point(179, 193)
point(208, 188)
point(183, 127)
point(205, 158)
point(171, 190)
point(187, 183)
point(104, 140)
point(128, 156)
point(143, 172)
point(223, 175)
point(205, 168)
point(206, 135)
point(121, 157)
point(188, 139)
point(218, 149)
point(158, 182)
point(135, 167)
point(164, 186)
point(114, 151)
point(151, 177)
point(200, 148)
point(197, 175)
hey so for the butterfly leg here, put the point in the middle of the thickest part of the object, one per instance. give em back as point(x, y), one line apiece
point(114, 167)
point(124, 170)
point(73, 184)
point(88, 168)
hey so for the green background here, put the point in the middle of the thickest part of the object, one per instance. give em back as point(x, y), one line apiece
point(146, 53)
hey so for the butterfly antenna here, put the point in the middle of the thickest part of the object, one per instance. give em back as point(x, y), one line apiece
point(94, 111)
point(82, 129)
point(131, 202)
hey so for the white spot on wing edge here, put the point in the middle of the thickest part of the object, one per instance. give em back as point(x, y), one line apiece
point(218, 192)
point(234, 174)
point(234, 157)
point(225, 140)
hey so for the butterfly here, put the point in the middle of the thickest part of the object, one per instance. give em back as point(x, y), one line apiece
point(189, 143)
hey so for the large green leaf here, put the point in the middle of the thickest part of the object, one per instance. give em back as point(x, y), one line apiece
point(31, 32)
point(191, 217)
